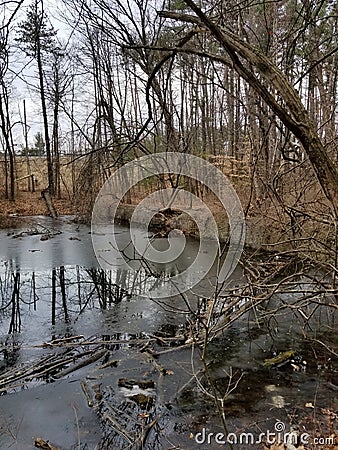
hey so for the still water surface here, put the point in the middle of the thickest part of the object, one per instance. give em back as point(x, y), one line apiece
point(54, 288)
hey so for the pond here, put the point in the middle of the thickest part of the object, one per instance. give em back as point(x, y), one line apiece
point(90, 361)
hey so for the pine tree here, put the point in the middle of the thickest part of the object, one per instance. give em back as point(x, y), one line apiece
point(37, 39)
point(39, 144)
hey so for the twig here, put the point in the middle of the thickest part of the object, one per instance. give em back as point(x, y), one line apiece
point(99, 354)
point(77, 427)
point(108, 418)
point(85, 390)
point(97, 342)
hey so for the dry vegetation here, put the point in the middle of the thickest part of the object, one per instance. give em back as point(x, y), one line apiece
point(29, 204)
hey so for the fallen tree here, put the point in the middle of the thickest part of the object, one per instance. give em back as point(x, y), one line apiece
point(265, 78)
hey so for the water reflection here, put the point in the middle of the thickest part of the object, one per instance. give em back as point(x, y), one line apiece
point(67, 290)
point(38, 304)
point(44, 304)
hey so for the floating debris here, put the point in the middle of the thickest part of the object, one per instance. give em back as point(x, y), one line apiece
point(279, 360)
point(38, 229)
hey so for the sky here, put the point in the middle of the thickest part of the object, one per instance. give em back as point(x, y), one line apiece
point(23, 74)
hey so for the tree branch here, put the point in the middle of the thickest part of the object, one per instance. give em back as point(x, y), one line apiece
point(289, 108)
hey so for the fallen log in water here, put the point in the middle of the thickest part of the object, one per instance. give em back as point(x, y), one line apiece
point(53, 366)
point(92, 358)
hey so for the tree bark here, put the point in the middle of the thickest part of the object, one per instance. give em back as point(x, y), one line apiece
point(46, 196)
point(45, 120)
point(9, 149)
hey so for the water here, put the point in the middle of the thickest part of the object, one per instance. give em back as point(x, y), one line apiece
point(68, 255)
point(54, 289)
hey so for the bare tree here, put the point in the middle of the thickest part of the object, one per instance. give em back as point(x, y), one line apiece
point(38, 39)
point(5, 120)
point(273, 87)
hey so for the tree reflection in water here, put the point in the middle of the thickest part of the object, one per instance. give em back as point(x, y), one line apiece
point(43, 299)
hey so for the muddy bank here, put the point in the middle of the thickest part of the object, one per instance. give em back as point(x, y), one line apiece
point(258, 235)
point(18, 213)
point(169, 219)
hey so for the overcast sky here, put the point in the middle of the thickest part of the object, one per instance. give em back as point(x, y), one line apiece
point(24, 73)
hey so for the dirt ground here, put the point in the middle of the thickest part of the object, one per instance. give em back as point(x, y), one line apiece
point(30, 204)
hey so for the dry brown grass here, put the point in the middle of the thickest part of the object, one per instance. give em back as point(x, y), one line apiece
point(29, 204)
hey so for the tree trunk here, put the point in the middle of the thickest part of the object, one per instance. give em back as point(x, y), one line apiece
point(46, 196)
point(45, 121)
point(29, 180)
point(8, 149)
point(55, 137)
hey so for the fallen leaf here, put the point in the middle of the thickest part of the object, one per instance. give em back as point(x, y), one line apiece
point(309, 405)
point(278, 401)
point(327, 412)
point(143, 415)
point(41, 443)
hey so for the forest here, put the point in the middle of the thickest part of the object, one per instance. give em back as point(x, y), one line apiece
point(212, 126)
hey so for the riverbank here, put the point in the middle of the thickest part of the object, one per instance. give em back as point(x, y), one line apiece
point(268, 227)
point(15, 213)
point(261, 232)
